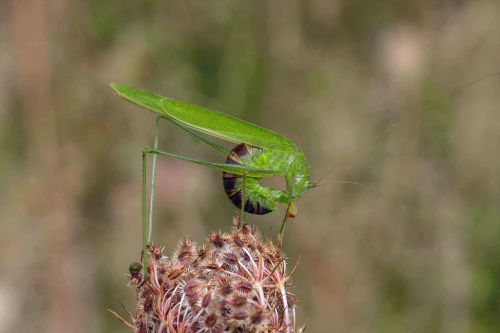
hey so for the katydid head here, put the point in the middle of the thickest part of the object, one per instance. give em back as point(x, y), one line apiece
point(302, 185)
point(299, 173)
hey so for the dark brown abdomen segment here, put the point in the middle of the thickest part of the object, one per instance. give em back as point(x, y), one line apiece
point(229, 181)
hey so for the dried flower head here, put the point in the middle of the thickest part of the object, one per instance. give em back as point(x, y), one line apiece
point(236, 283)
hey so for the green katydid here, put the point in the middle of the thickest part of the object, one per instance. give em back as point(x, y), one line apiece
point(259, 153)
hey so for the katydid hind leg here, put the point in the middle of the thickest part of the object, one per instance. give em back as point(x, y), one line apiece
point(231, 168)
point(143, 209)
point(147, 222)
point(153, 182)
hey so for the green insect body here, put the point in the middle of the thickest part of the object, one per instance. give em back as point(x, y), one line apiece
point(259, 153)
point(261, 199)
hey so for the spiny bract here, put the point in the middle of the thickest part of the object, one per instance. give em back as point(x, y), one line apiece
point(236, 283)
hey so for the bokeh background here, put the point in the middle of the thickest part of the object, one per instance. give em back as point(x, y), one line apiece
point(404, 233)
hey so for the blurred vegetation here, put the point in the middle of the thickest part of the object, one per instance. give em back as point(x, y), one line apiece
point(375, 90)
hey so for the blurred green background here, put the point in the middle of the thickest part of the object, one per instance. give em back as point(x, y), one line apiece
point(374, 90)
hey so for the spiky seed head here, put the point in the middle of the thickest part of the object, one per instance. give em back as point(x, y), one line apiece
point(217, 240)
point(211, 320)
point(229, 258)
point(225, 286)
point(238, 301)
point(244, 286)
point(257, 316)
point(241, 315)
point(207, 299)
point(157, 252)
point(235, 284)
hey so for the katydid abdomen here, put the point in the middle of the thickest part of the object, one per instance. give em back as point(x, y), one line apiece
point(258, 199)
